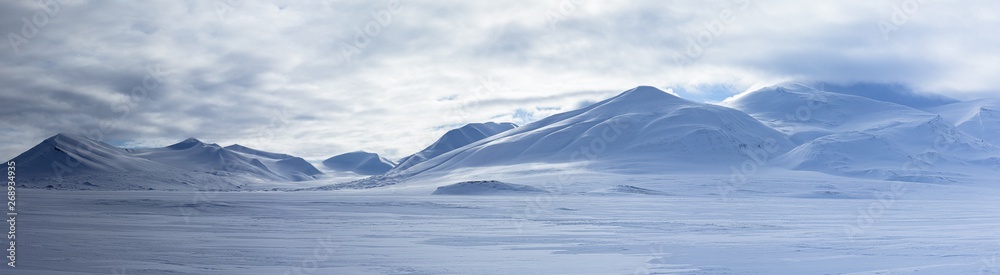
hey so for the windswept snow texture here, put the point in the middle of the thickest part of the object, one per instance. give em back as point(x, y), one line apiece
point(67, 161)
point(642, 129)
point(360, 162)
point(490, 187)
point(979, 118)
point(454, 139)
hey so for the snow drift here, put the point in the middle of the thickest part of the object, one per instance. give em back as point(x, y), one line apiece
point(490, 187)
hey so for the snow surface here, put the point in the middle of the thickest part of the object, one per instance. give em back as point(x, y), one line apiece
point(364, 232)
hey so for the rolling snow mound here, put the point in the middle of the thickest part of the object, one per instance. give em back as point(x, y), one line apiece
point(627, 189)
point(489, 187)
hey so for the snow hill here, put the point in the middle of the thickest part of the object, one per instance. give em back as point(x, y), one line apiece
point(923, 151)
point(359, 162)
point(979, 118)
point(69, 161)
point(491, 187)
point(454, 139)
point(843, 134)
point(642, 129)
point(288, 166)
point(885, 92)
point(805, 113)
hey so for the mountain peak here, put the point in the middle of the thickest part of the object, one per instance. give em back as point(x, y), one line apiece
point(638, 99)
point(645, 91)
point(66, 136)
point(185, 144)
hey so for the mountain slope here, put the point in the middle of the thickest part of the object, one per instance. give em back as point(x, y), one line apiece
point(979, 118)
point(927, 151)
point(69, 154)
point(287, 166)
point(454, 139)
point(254, 152)
point(67, 161)
point(359, 162)
point(806, 113)
point(643, 127)
point(194, 155)
point(887, 92)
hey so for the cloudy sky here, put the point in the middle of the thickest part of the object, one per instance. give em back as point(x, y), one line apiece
point(316, 78)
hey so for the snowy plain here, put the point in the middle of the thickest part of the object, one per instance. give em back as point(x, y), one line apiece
point(810, 226)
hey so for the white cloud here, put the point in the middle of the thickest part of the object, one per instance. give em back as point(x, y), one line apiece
point(273, 75)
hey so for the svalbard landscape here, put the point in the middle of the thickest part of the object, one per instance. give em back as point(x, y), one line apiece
point(563, 137)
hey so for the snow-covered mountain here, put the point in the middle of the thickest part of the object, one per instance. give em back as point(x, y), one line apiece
point(804, 112)
point(979, 118)
point(71, 161)
point(643, 128)
point(925, 151)
point(288, 166)
point(359, 162)
point(640, 131)
point(65, 155)
point(843, 134)
point(454, 139)
point(887, 92)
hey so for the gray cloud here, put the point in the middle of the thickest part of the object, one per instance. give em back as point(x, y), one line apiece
point(273, 75)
